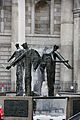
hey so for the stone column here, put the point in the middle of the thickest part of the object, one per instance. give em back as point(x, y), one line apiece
point(14, 39)
point(33, 16)
point(21, 21)
point(52, 17)
point(77, 43)
point(66, 38)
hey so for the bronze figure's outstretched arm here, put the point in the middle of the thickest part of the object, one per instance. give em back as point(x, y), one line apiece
point(16, 61)
point(62, 60)
point(13, 55)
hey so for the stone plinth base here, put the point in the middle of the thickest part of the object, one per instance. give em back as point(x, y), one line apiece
point(22, 108)
point(17, 107)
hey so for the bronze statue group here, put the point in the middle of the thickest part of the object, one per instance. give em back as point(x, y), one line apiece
point(26, 58)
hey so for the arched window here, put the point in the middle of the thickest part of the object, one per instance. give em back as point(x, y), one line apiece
point(42, 17)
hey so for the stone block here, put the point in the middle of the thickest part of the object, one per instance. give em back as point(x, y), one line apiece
point(17, 108)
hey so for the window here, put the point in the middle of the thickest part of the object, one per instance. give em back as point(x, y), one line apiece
point(76, 4)
point(1, 2)
point(42, 18)
point(57, 16)
point(5, 15)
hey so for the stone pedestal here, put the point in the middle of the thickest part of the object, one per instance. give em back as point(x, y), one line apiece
point(17, 108)
point(21, 108)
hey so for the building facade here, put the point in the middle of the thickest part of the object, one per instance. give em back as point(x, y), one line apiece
point(41, 23)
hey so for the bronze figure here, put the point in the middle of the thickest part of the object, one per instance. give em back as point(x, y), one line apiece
point(19, 70)
point(31, 57)
point(49, 62)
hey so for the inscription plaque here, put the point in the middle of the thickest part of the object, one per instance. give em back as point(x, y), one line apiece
point(76, 106)
point(16, 108)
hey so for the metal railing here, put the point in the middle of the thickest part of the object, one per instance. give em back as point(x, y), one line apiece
point(75, 117)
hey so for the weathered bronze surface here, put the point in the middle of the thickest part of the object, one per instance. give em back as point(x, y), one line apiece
point(19, 70)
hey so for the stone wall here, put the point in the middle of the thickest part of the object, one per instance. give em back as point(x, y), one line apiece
point(5, 51)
